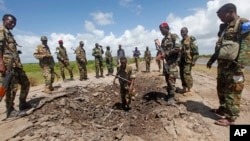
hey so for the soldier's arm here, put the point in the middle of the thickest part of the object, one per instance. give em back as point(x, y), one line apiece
point(194, 49)
point(37, 54)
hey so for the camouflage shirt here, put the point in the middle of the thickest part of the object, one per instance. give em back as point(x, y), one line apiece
point(61, 53)
point(42, 53)
point(80, 54)
point(189, 49)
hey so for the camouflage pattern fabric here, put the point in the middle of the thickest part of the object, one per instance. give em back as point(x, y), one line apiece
point(169, 45)
point(147, 58)
point(63, 59)
point(81, 62)
point(109, 62)
point(47, 63)
point(97, 53)
point(136, 55)
point(189, 55)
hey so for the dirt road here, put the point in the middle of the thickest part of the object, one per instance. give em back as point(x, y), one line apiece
point(90, 111)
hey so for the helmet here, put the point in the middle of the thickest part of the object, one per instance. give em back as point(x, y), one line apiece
point(44, 38)
point(81, 42)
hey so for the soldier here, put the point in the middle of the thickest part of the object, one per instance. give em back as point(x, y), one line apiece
point(120, 53)
point(81, 61)
point(230, 76)
point(170, 49)
point(126, 81)
point(189, 55)
point(109, 61)
point(136, 54)
point(47, 63)
point(97, 53)
point(63, 60)
point(8, 47)
point(147, 58)
point(158, 60)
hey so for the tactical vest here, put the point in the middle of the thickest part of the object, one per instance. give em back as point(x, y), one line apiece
point(187, 49)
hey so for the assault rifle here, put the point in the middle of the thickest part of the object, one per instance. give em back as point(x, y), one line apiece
point(165, 64)
point(6, 80)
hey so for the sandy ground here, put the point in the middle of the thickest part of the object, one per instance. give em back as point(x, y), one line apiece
point(199, 104)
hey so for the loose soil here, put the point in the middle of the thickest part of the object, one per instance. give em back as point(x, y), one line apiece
point(91, 111)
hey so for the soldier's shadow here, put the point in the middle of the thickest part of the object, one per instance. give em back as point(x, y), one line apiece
point(200, 108)
point(155, 96)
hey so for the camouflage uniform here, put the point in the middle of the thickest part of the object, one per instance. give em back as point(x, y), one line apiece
point(136, 54)
point(128, 74)
point(120, 53)
point(97, 53)
point(18, 74)
point(170, 45)
point(147, 58)
point(109, 61)
point(189, 55)
point(81, 61)
point(47, 63)
point(230, 78)
point(63, 61)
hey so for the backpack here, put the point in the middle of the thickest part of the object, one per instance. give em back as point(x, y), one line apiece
point(243, 58)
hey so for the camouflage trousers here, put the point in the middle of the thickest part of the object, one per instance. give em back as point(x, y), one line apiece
point(170, 78)
point(110, 67)
point(230, 83)
point(185, 75)
point(19, 77)
point(147, 66)
point(98, 67)
point(65, 66)
point(82, 70)
point(126, 97)
point(49, 76)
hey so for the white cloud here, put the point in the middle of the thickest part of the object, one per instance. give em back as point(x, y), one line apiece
point(2, 5)
point(103, 18)
point(203, 24)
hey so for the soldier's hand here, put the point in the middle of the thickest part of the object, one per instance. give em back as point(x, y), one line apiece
point(192, 64)
point(209, 64)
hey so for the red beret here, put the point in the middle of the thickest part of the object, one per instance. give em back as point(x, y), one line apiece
point(164, 24)
point(60, 41)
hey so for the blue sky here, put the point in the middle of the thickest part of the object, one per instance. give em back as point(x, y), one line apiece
point(112, 22)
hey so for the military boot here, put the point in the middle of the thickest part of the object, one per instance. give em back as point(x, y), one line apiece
point(24, 105)
point(11, 112)
point(171, 100)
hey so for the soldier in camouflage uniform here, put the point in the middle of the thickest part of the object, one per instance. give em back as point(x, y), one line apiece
point(63, 60)
point(9, 47)
point(147, 58)
point(230, 76)
point(189, 55)
point(81, 61)
point(136, 54)
point(170, 49)
point(126, 80)
point(97, 53)
point(109, 61)
point(47, 63)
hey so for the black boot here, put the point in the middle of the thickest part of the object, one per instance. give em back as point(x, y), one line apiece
point(171, 100)
point(24, 106)
point(11, 112)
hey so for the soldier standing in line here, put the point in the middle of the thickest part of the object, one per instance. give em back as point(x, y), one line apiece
point(97, 53)
point(109, 61)
point(63, 60)
point(189, 55)
point(147, 58)
point(120, 53)
point(170, 49)
point(47, 63)
point(126, 81)
point(81, 61)
point(8, 47)
point(136, 54)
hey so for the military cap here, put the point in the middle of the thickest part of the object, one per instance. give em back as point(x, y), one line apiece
point(44, 38)
point(164, 25)
point(60, 41)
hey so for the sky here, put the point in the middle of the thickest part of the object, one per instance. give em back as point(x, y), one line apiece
point(131, 23)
